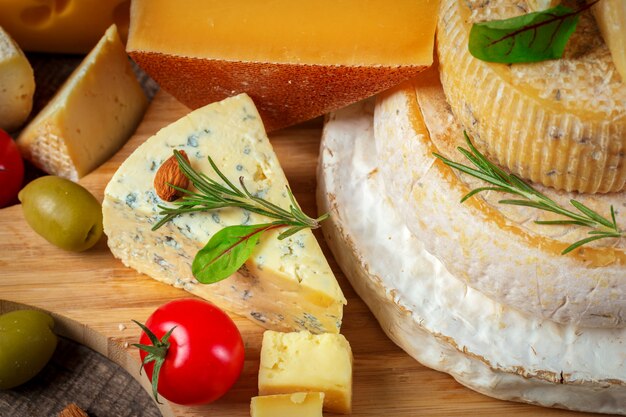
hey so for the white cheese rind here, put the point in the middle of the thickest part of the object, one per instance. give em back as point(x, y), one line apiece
point(495, 248)
point(435, 317)
point(285, 285)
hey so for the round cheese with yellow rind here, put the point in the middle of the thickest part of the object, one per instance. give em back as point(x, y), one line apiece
point(437, 318)
point(495, 248)
point(561, 123)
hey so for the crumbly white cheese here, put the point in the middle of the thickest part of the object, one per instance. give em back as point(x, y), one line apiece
point(286, 285)
point(17, 84)
point(434, 316)
point(495, 248)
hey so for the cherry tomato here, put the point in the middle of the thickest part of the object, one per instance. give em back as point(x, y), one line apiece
point(201, 358)
point(11, 170)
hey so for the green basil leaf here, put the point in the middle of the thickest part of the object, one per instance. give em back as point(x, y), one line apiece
point(226, 252)
point(531, 37)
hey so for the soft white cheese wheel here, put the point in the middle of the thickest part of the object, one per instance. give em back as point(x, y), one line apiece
point(495, 248)
point(436, 318)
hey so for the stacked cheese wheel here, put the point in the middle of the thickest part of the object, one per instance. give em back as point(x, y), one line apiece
point(478, 289)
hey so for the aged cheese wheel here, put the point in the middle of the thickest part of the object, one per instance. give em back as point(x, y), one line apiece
point(296, 59)
point(495, 248)
point(434, 316)
point(561, 122)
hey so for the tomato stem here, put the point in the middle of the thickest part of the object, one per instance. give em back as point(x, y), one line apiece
point(156, 353)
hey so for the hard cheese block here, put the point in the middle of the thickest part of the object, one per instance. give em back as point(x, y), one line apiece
point(17, 84)
point(91, 116)
point(301, 404)
point(69, 26)
point(561, 123)
point(301, 361)
point(433, 315)
point(286, 284)
point(296, 59)
point(495, 248)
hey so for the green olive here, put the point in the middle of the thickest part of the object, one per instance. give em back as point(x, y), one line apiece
point(62, 212)
point(26, 345)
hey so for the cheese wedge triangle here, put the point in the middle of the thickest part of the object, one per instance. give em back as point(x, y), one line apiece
point(90, 117)
point(285, 285)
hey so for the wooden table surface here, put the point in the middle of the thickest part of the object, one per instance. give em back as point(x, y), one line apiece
point(94, 297)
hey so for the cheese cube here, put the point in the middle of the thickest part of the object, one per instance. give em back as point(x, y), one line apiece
point(301, 361)
point(17, 84)
point(300, 404)
point(90, 117)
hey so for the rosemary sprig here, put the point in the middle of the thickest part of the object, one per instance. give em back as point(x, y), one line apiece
point(229, 249)
point(504, 182)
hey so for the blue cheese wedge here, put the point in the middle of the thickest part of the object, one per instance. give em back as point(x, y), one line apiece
point(285, 285)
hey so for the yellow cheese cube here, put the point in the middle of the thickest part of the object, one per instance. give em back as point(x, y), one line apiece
point(17, 84)
point(300, 404)
point(301, 361)
point(69, 26)
point(90, 117)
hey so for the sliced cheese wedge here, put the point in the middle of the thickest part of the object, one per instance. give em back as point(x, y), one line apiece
point(434, 316)
point(296, 59)
point(494, 248)
point(91, 116)
point(285, 285)
point(17, 84)
point(561, 123)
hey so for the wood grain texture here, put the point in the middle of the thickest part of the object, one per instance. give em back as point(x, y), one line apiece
point(93, 298)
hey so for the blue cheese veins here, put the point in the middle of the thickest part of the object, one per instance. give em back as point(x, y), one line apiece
point(285, 285)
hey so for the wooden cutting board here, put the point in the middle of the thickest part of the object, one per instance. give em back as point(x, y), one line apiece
point(93, 298)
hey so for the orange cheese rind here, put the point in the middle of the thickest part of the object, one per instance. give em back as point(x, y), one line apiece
point(561, 123)
point(90, 117)
point(284, 94)
point(494, 248)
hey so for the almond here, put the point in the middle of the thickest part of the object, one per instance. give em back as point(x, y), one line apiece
point(169, 173)
point(72, 410)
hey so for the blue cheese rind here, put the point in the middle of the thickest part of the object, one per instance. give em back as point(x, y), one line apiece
point(285, 285)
